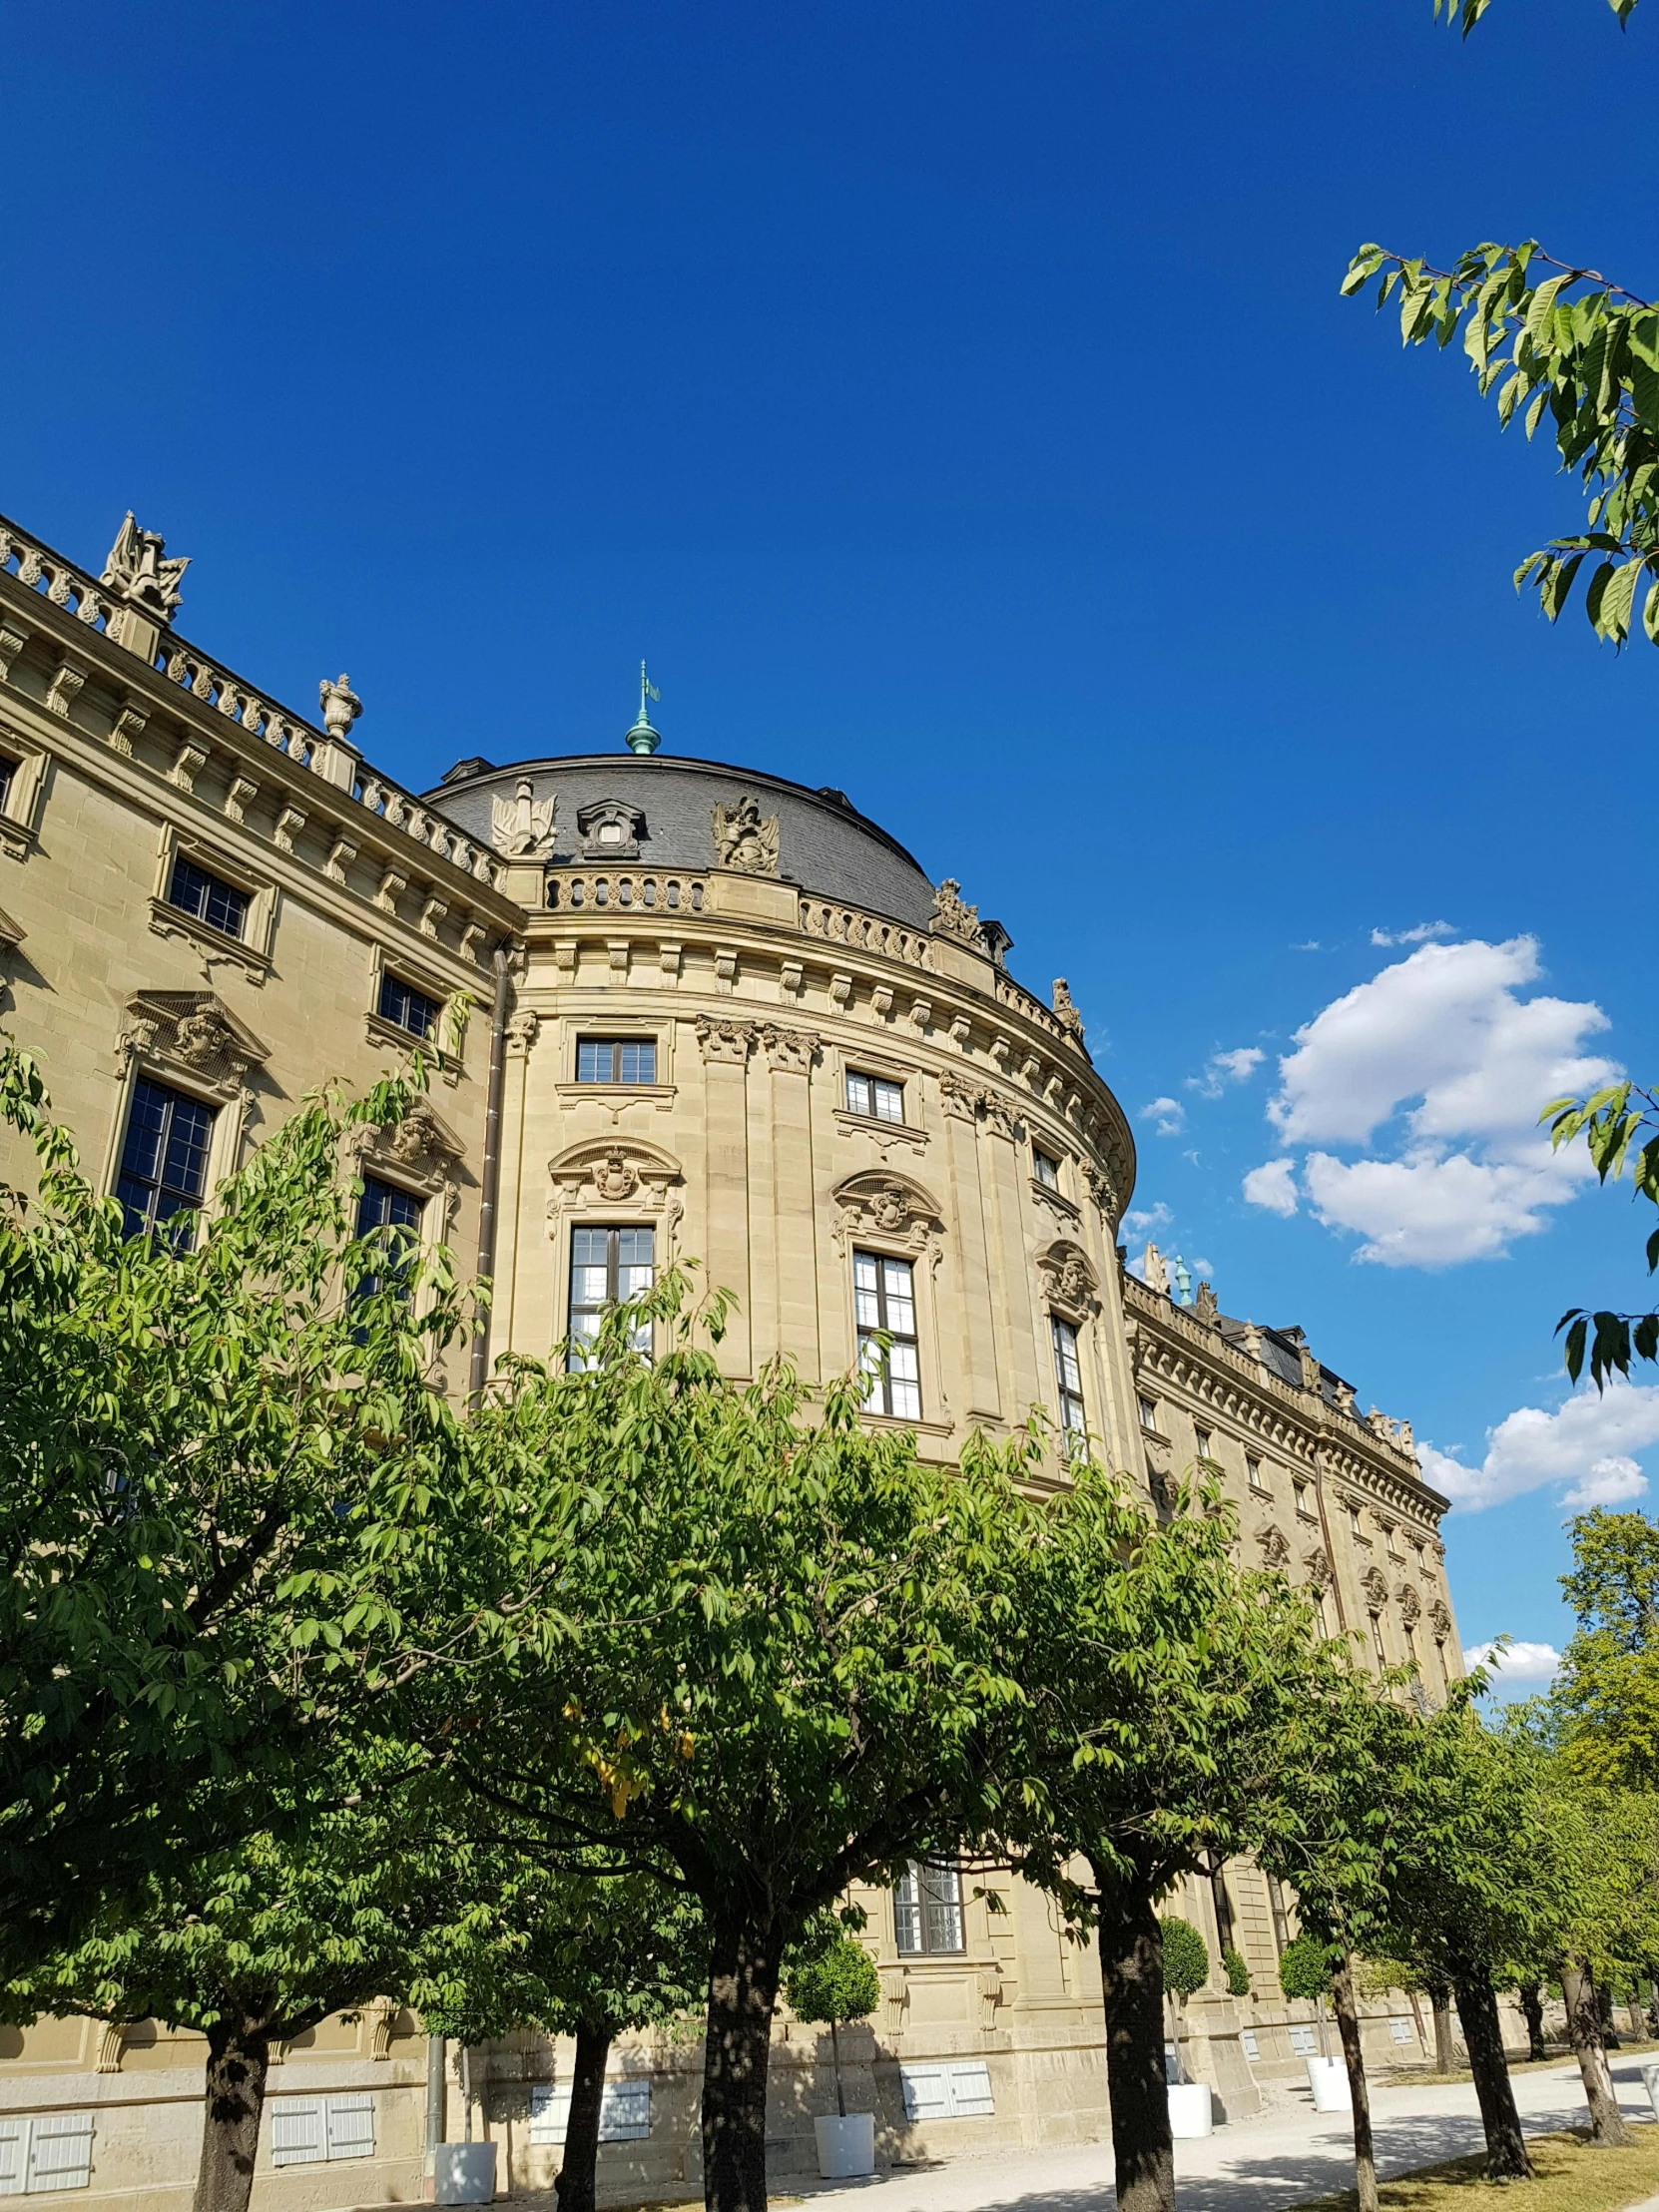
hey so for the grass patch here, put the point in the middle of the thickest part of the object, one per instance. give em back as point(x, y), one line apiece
point(1399, 2077)
point(1571, 2177)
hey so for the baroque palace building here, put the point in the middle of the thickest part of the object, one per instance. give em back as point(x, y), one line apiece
point(711, 1013)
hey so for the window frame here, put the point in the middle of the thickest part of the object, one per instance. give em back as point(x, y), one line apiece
point(251, 950)
point(1069, 1398)
point(1204, 1444)
point(877, 1084)
point(192, 1203)
point(393, 979)
point(619, 1044)
point(917, 1875)
point(25, 789)
point(881, 1373)
point(210, 881)
point(1148, 1411)
point(1041, 1160)
point(612, 1232)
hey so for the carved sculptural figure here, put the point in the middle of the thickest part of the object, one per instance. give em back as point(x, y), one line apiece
point(521, 826)
point(137, 570)
point(953, 916)
point(1154, 1274)
point(340, 705)
point(745, 838)
point(1066, 1011)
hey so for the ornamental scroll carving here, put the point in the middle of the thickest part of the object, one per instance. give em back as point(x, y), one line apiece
point(791, 1051)
point(1411, 1605)
point(890, 1207)
point(1320, 1573)
point(724, 1040)
point(193, 1034)
point(1439, 1618)
point(1276, 1552)
point(605, 1172)
point(968, 1101)
point(745, 838)
point(1375, 1587)
point(1069, 1280)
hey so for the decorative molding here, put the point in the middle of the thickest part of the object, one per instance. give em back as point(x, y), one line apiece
point(290, 822)
point(192, 1034)
point(1275, 1551)
point(887, 1205)
point(341, 856)
point(921, 1013)
point(431, 913)
point(521, 827)
point(240, 796)
point(882, 1134)
point(522, 1030)
point(421, 1150)
point(880, 1000)
point(791, 976)
point(726, 965)
point(66, 679)
point(1320, 1570)
point(130, 721)
point(610, 830)
point(1069, 1280)
point(953, 917)
point(1375, 1587)
point(393, 882)
point(745, 839)
point(725, 1040)
point(615, 1171)
point(111, 2037)
point(12, 643)
point(789, 1050)
point(1066, 1215)
point(188, 763)
point(1411, 1605)
point(841, 990)
point(668, 959)
point(168, 920)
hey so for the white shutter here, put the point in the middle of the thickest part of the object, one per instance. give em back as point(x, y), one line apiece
point(1302, 2042)
point(14, 2156)
point(971, 2089)
point(1403, 2031)
point(926, 2093)
point(59, 2156)
point(349, 2126)
point(549, 2112)
point(625, 2115)
point(1252, 2048)
point(297, 2132)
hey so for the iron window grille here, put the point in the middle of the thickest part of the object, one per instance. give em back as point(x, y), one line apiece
point(616, 1059)
point(607, 1268)
point(207, 898)
point(885, 1301)
point(927, 1910)
point(163, 1163)
point(406, 1008)
point(1068, 1384)
point(875, 1096)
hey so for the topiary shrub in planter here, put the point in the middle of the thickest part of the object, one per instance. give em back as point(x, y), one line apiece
point(1186, 1970)
point(1305, 1972)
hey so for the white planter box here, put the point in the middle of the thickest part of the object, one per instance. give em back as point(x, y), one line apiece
point(464, 2174)
point(845, 2147)
point(1328, 2078)
point(1190, 2111)
point(1650, 2082)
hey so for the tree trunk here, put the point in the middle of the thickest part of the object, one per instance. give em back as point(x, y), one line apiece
point(1348, 2027)
point(744, 1963)
point(1609, 2027)
point(1132, 1984)
point(574, 2187)
point(1532, 2007)
point(239, 2057)
point(835, 2062)
point(1506, 2158)
point(1440, 2000)
point(1584, 2031)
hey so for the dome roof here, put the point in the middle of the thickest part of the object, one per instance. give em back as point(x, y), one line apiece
point(825, 843)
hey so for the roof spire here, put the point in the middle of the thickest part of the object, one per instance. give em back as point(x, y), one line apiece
point(642, 738)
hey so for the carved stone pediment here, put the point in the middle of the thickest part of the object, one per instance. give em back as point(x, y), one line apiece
point(1276, 1552)
point(1411, 1605)
point(610, 830)
point(1439, 1618)
point(1069, 1280)
point(745, 838)
point(616, 1170)
point(193, 1033)
point(889, 1206)
point(1319, 1571)
point(1375, 1587)
point(420, 1149)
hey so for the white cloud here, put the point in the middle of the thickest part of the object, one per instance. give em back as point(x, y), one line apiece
point(1311, 945)
point(1140, 1221)
point(1167, 1115)
point(1222, 1068)
point(1588, 1444)
point(1441, 1046)
point(1424, 933)
point(1273, 1185)
point(1522, 1662)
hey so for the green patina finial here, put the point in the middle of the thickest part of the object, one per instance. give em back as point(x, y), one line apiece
point(642, 738)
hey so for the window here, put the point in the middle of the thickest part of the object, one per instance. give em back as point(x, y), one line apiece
point(1376, 1639)
point(194, 892)
point(869, 1094)
point(305, 2131)
point(1356, 1531)
point(8, 769)
point(383, 1206)
point(1204, 1442)
point(885, 1301)
point(1281, 1922)
point(45, 2150)
point(1149, 1414)
point(616, 1059)
point(956, 2091)
point(1403, 2031)
point(624, 2112)
point(1068, 1384)
point(1046, 1170)
point(607, 1267)
point(164, 1162)
point(405, 1007)
point(927, 1910)
point(1258, 1481)
point(1301, 1507)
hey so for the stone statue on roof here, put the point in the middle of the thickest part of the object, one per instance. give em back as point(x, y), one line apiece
point(1154, 1274)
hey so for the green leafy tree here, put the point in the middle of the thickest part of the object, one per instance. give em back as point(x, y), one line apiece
point(1160, 1683)
point(768, 1656)
point(1237, 1972)
point(1186, 1971)
point(1305, 1970)
point(1620, 1127)
point(833, 1984)
point(1605, 1701)
point(227, 1476)
point(252, 1945)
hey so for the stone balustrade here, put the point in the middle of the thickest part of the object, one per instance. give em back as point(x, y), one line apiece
point(581, 892)
point(1012, 994)
point(58, 580)
point(864, 933)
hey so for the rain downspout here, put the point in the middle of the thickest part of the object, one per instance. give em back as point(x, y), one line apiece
point(491, 1177)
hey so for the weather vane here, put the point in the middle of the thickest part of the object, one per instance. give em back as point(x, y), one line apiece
point(642, 738)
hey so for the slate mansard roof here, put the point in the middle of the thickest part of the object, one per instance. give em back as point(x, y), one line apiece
point(825, 843)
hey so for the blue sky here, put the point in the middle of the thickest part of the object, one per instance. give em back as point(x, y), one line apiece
point(956, 404)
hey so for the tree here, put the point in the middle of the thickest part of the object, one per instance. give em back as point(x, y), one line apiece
point(1605, 1701)
point(1620, 1127)
point(1237, 1971)
point(254, 1945)
point(228, 1475)
point(1186, 1971)
point(768, 1657)
point(1160, 1684)
point(835, 1982)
